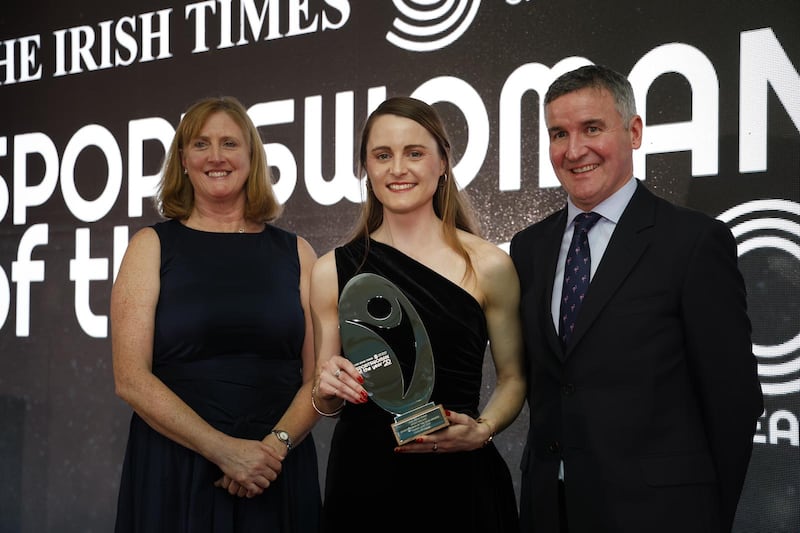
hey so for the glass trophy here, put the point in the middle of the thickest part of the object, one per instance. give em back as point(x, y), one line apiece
point(370, 304)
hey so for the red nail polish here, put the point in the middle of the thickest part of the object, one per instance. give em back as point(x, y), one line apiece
point(360, 378)
point(447, 412)
point(418, 439)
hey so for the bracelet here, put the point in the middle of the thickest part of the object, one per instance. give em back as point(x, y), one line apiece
point(314, 405)
point(480, 420)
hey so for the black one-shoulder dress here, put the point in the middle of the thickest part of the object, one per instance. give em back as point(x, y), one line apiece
point(371, 488)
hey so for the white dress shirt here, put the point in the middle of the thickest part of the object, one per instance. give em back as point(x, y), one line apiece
point(610, 211)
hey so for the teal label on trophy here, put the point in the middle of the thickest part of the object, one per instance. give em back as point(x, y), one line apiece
point(420, 421)
point(369, 306)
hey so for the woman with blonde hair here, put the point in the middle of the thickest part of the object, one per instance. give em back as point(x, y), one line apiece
point(212, 345)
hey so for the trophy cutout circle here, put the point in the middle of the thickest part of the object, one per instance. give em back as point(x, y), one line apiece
point(368, 304)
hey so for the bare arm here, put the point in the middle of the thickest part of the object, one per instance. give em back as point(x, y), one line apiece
point(336, 377)
point(299, 418)
point(501, 287)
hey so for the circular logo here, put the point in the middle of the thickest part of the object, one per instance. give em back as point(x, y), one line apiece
point(426, 25)
point(768, 236)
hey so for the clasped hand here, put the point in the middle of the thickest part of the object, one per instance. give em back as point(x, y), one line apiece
point(249, 467)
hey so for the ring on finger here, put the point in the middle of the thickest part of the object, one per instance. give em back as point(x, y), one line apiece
point(435, 445)
point(336, 374)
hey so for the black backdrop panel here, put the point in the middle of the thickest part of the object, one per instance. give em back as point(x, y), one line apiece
point(91, 91)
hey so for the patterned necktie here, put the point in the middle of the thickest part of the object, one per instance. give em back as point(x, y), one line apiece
point(577, 272)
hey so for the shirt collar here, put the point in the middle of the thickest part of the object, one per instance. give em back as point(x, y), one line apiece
point(611, 208)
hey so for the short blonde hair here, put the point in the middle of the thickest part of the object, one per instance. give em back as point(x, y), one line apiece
point(175, 198)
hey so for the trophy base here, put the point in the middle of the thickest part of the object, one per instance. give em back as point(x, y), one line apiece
point(421, 421)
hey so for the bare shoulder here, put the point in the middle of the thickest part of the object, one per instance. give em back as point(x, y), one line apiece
point(306, 252)
point(325, 268)
point(144, 237)
point(488, 258)
point(324, 285)
point(143, 246)
point(496, 276)
point(138, 276)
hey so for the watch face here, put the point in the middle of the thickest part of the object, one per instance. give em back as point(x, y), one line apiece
point(283, 437)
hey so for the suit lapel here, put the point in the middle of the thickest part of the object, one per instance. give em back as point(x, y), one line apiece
point(551, 248)
point(628, 242)
point(541, 244)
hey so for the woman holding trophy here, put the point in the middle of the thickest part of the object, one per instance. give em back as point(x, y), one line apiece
point(403, 314)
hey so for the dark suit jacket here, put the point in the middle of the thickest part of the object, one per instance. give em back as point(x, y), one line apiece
point(654, 403)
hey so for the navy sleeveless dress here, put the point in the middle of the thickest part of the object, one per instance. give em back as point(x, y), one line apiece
point(228, 334)
point(371, 488)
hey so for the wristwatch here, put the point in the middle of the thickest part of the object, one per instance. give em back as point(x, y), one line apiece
point(283, 437)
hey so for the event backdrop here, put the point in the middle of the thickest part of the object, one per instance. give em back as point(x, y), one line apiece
point(91, 91)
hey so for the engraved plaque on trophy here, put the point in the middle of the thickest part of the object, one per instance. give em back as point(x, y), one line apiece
point(369, 305)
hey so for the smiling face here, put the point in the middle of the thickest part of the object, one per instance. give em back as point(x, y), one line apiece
point(403, 163)
point(217, 160)
point(591, 148)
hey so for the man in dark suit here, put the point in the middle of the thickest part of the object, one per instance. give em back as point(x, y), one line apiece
point(643, 420)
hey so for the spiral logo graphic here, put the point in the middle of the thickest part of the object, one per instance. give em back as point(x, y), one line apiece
point(768, 237)
point(426, 25)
